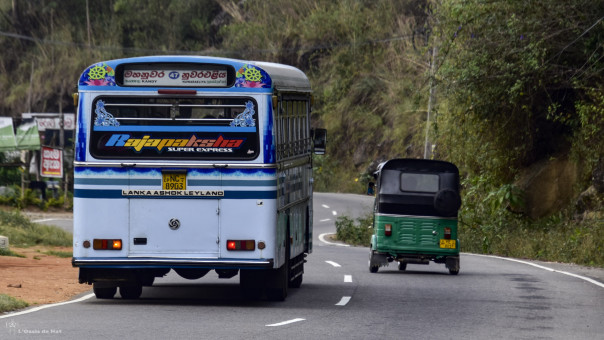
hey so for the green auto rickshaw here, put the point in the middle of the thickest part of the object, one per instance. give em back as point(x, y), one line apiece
point(415, 214)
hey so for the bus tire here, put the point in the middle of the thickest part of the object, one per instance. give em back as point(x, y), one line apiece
point(251, 283)
point(103, 292)
point(279, 278)
point(131, 292)
point(402, 265)
point(279, 284)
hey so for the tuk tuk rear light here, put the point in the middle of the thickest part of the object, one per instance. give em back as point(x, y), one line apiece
point(447, 233)
point(388, 229)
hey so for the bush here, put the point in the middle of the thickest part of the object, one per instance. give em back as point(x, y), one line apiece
point(358, 233)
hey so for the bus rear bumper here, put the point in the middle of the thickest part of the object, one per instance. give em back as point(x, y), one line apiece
point(155, 262)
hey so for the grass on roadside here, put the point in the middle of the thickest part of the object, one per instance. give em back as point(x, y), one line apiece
point(9, 303)
point(58, 253)
point(21, 232)
point(8, 252)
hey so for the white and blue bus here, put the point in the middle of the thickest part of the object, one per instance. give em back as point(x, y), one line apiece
point(193, 164)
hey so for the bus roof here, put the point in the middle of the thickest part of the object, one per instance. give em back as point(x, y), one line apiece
point(248, 75)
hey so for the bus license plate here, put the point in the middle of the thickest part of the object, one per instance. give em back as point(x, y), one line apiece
point(174, 181)
point(450, 244)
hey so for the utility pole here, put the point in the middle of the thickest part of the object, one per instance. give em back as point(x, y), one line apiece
point(427, 147)
point(62, 144)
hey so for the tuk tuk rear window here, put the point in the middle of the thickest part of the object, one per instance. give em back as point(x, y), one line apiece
point(419, 182)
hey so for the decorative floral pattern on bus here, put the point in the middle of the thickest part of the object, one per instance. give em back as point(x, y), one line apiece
point(252, 77)
point(104, 118)
point(245, 118)
point(99, 74)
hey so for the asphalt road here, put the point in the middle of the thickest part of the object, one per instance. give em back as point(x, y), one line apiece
point(491, 298)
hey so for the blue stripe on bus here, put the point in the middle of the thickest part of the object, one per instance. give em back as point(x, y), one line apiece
point(180, 128)
point(116, 181)
point(232, 170)
point(92, 193)
point(191, 182)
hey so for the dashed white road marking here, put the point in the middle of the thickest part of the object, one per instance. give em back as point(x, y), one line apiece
point(333, 264)
point(27, 311)
point(325, 206)
point(600, 284)
point(333, 212)
point(343, 301)
point(322, 239)
point(347, 278)
point(285, 322)
point(325, 220)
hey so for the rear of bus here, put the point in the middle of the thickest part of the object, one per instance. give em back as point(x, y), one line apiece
point(175, 169)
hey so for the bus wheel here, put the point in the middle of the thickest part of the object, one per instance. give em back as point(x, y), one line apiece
point(402, 265)
point(251, 283)
point(279, 280)
point(131, 292)
point(103, 292)
point(373, 268)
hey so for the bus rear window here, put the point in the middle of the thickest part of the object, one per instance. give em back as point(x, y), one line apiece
point(174, 128)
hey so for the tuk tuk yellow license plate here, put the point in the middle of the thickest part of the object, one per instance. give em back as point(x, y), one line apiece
point(174, 181)
point(449, 244)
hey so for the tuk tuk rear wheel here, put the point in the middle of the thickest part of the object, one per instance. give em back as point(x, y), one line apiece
point(372, 268)
point(452, 264)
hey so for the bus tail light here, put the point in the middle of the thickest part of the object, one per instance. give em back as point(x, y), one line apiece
point(388, 229)
point(241, 245)
point(447, 233)
point(106, 244)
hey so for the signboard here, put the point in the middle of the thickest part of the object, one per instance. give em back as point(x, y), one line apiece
point(175, 77)
point(51, 164)
point(54, 123)
point(7, 135)
point(28, 137)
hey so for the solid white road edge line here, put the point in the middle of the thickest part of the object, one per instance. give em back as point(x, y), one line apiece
point(543, 267)
point(35, 309)
point(48, 220)
point(344, 301)
point(347, 278)
point(285, 322)
point(333, 264)
point(322, 239)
